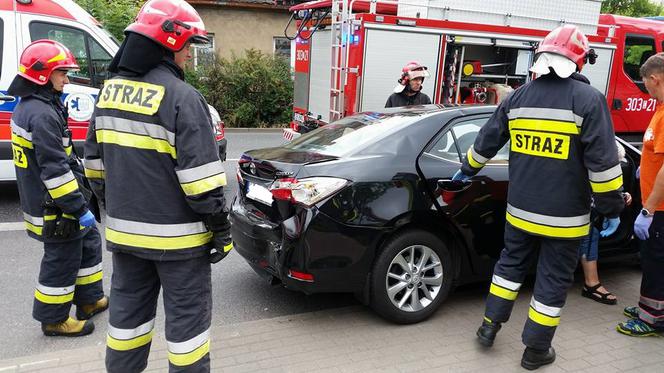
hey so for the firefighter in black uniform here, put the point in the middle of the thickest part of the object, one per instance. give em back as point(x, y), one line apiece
point(54, 194)
point(408, 91)
point(562, 151)
point(151, 157)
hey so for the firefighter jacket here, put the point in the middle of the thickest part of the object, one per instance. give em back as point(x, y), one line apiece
point(402, 99)
point(151, 157)
point(44, 161)
point(562, 151)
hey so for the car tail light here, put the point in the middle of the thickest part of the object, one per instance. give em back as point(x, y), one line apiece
point(307, 191)
point(306, 277)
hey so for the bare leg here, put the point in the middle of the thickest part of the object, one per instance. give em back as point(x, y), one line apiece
point(592, 277)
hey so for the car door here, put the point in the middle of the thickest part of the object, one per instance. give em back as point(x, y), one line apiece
point(478, 209)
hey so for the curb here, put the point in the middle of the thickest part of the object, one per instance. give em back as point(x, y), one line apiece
point(260, 130)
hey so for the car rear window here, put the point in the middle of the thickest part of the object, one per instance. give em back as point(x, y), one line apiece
point(350, 134)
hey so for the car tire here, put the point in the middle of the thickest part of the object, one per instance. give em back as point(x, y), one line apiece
point(391, 284)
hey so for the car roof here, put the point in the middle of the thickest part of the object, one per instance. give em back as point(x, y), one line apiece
point(456, 110)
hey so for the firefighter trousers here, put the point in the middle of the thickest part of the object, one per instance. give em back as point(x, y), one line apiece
point(651, 302)
point(555, 273)
point(71, 271)
point(187, 298)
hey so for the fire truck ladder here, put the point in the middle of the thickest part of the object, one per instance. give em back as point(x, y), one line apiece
point(341, 31)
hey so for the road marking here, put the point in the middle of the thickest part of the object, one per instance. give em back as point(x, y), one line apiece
point(9, 227)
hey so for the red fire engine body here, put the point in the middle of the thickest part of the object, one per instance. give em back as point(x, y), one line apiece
point(468, 62)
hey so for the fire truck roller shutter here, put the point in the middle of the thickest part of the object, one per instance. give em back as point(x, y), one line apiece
point(319, 75)
point(599, 73)
point(385, 55)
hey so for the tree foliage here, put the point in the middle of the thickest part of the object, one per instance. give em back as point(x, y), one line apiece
point(115, 15)
point(251, 90)
point(632, 8)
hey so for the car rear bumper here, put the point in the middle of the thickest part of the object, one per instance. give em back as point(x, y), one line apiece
point(338, 257)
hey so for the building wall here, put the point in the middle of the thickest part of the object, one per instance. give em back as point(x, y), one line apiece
point(236, 29)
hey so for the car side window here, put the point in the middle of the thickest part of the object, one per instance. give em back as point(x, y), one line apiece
point(92, 59)
point(456, 141)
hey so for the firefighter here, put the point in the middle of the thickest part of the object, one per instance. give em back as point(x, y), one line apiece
point(408, 91)
point(562, 151)
point(54, 194)
point(152, 158)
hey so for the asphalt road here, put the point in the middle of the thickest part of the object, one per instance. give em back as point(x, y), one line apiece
point(239, 294)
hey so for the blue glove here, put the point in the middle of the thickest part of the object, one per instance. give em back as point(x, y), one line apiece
point(638, 172)
point(460, 176)
point(609, 226)
point(87, 219)
point(641, 226)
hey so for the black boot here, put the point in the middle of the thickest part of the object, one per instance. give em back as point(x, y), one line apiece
point(487, 333)
point(533, 359)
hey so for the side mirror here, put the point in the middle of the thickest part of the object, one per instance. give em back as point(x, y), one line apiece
point(454, 186)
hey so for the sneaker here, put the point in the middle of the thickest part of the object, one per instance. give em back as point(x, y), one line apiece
point(487, 332)
point(85, 312)
point(632, 312)
point(68, 328)
point(636, 328)
point(533, 359)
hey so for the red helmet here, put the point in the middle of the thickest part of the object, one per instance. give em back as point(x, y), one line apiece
point(567, 41)
point(41, 57)
point(412, 70)
point(171, 23)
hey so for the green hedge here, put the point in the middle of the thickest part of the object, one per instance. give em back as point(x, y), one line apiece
point(252, 90)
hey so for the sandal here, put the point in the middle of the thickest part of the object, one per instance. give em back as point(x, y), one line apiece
point(592, 293)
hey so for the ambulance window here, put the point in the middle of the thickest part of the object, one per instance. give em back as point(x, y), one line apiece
point(99, 61)
point(73, 39)
point(638, 48)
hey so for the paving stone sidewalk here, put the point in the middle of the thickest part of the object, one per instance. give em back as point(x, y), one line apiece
point(353, 339)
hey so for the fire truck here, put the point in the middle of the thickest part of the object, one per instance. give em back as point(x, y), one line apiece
point(24, 21)
point(349, 54)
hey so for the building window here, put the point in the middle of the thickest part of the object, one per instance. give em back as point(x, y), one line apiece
point(204, 54)
point(281, 47)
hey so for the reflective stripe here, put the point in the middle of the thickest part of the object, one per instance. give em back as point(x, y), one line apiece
point(60, 180)
point(94, 168)
point(18, 140)
point(554, 221)
point(65, 142)
point(544, 309)
point(58, 192)
point(505, 283)
point(89, 275)
point(652, 303)
point(546, 113)
point(158, 230)
point(608, 186)
point(20, 131)
point(152, 130)
point(544, 125)
point(201, 172)
point(205, 185)
point(135, 141)
point(52, 295)
point(605, 175)
point(502, 292)
point(474, 159)
point(228, 247)
point(544, 230)
point(33, 224)
point(128, 339)
point(33, 219)
point(189, 352)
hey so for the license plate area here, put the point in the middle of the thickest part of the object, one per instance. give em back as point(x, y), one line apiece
point(259, 193)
